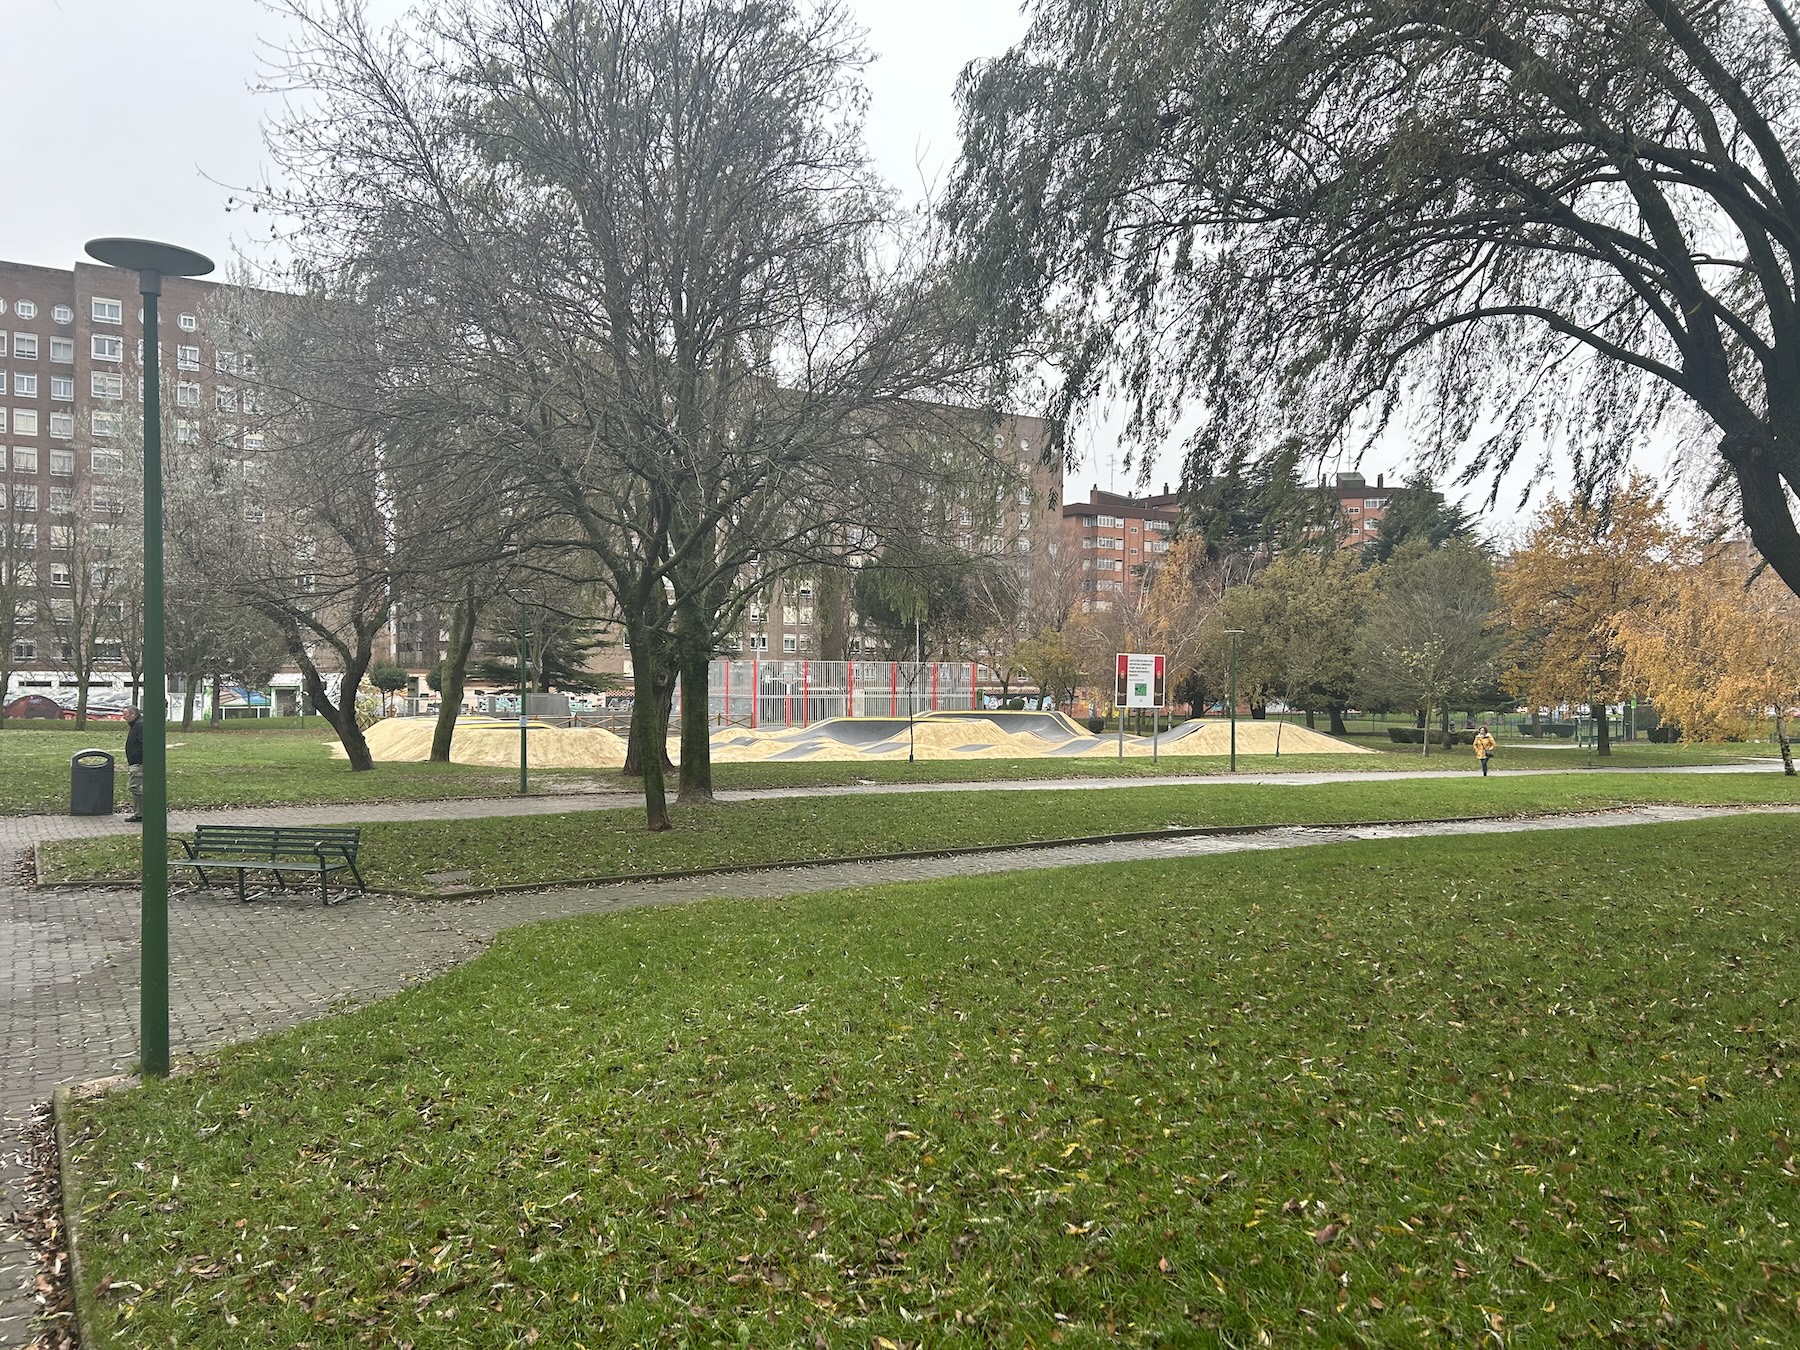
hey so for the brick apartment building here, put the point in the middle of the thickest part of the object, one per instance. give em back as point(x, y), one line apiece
point(71, 351)
point(1119, 540)
point(1360, 506)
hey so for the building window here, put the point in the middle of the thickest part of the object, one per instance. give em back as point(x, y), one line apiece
point(106, 348)
point(62, 428)
point(759, 642)
point(1374, 503)
point(25, 534)
point(107, 311)
point(26, 309)
point(25, 384)
point(62, 462)
point(106, 384)
point(105, 423)
point(187, 323)
point(25, 346)
point(252, 401)
point(187, 395)
point(62, 388)
point(226, 398)
point(25, 422)
point(62, 350)
point(187, 358)
point(253, 442)
point(789, 643)
point(62, 500)
point(24, 651)
point(63, 314)
point(25, 496)
point(107, 461)
point(225, 363)
point(186, 431)
point(105, 497)
point(59, 574)
point(61, 536)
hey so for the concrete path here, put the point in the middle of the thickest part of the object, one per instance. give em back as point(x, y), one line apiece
point(68, 958)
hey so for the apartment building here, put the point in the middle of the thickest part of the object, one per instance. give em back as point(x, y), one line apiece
point(1119, 540)
point(71, 397)
point(1360, 507)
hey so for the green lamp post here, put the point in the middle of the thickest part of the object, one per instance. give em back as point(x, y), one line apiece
point(1234, 634)
point(152, 262)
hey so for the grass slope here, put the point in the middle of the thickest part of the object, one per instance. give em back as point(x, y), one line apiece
point(1541, 1089)
point(533, 850)
point(238, 768)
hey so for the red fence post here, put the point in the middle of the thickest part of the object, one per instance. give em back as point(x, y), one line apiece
point(934, 666)
point(755, 689)
point(850, 689)
point(805, 692)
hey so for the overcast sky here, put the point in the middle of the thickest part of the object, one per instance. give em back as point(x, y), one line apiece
point(137, 117)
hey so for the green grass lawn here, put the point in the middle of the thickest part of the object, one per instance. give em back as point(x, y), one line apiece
point(239, 767)
point(242, 766)
point(1534, 1090)
point(532, 850)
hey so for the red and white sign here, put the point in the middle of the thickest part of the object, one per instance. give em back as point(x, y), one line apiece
point(1139, 682)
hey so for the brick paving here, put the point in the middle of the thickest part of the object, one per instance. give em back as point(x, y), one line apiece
point(68, 958)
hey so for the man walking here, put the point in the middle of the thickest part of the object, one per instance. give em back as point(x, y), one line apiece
point(134, 761)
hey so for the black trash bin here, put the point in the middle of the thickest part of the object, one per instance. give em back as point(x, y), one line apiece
point(91, 783)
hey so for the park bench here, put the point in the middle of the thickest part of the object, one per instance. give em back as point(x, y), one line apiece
point(278, 849)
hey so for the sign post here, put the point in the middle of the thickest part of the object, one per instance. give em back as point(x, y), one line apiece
point(1139, 678)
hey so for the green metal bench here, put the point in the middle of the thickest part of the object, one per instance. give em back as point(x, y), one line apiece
point(277, 849)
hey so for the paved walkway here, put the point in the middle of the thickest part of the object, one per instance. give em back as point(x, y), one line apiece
point(68, 958)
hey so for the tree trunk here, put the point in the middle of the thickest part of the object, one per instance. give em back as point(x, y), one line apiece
point(456, 668)
point(341, 716)
point(696, 783)
point(1781, 739)
point(634, 753)
point(1337, 726)
point(1425, 736)
point(1311, 722)
point(1602, 730)
point(218, 715)
point(650, 727)
point(190, 681)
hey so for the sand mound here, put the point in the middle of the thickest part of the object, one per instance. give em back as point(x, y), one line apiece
point(495, 742)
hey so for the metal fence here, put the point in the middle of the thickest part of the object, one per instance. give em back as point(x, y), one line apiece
point(783, 693)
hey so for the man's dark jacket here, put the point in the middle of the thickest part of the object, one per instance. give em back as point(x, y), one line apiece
point(134, 743)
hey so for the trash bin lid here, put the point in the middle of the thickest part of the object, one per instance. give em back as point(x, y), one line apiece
point(103, 756)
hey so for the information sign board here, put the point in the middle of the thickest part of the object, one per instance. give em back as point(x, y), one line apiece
point(1140, 678)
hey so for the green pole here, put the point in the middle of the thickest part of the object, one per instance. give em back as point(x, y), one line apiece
point(1234, 633)
point(524, 772)
point(152, 262)
point(153, 980)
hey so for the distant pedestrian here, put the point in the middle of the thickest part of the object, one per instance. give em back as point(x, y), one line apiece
point(1484, 748)
point(134, 761)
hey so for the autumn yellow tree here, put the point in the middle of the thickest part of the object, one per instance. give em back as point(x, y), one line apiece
point(1718, 653)
point(1581, 567)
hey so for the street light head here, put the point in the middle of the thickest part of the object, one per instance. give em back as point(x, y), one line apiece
point(1235, 632)
point(146, 255)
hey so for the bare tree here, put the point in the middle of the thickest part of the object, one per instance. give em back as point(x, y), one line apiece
point(632, 248)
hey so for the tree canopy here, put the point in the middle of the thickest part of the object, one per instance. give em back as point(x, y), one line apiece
point(1517, 223)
